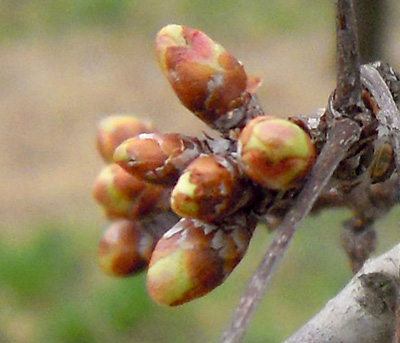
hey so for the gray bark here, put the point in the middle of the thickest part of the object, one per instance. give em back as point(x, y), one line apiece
point(364, 311)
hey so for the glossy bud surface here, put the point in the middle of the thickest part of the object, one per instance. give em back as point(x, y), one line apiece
point(193, 258)
point(114, 129)
point(125, 248)
point(275, 152)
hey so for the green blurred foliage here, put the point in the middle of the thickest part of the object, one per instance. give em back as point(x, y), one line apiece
point(37, 266)
point(116, 306)
point(52, 291)
point(232, 17)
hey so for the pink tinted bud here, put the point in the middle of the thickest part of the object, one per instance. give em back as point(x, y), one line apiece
point(157, 158)
point(125, 196)
point(114, 129)
point(125, 248)
point(275, 152)
point(209, 189)
point(207, 79)
point(193, 258)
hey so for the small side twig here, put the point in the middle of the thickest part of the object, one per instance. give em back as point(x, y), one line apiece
point(348, 92)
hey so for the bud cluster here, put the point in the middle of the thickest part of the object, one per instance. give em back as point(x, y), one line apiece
point(219, 187)
point(129, 202)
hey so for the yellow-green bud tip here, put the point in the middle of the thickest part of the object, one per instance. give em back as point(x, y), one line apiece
point(182, 197)
point(168, 280)
point(184, 264)
point(114, 129)
point(275, 152)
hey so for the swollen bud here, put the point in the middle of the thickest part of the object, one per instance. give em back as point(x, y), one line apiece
point(210, 188)
point(157, 158)
point(193, 258)
point(207, 79)
point(125, 248)
point(113, 130)
point(275, 152)
point(125, 196)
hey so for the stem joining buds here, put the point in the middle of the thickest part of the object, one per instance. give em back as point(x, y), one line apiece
point(207, 79)
point(125, 248)
point(275, 152)
point(157, 158)
point(209, 189)
point(124, 196)
point(113, 130)
point(193, 258)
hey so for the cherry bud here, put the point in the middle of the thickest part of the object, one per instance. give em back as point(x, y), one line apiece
point(207, 79)
point(193, 258)
point(157, 158)
point(210, 188)
point(125, 248)
point(114, 129)
point(275, 152)
point(125, 196)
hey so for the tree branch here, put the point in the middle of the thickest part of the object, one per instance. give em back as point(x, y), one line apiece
point(341, 136)
point(348, 92)
point(364, 311)
point(388, 115)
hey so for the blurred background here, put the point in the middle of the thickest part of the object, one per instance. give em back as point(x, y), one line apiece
point(66, 63)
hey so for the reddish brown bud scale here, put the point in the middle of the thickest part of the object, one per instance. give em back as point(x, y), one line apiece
point(125, 196)
point(125, 248)
point(157, 158)
point(114, 129)
point(275, 152)
point(209, 189)
point(207, 79)
point(193, 258)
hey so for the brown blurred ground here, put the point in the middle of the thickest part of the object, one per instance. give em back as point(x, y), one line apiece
point(52, 92)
